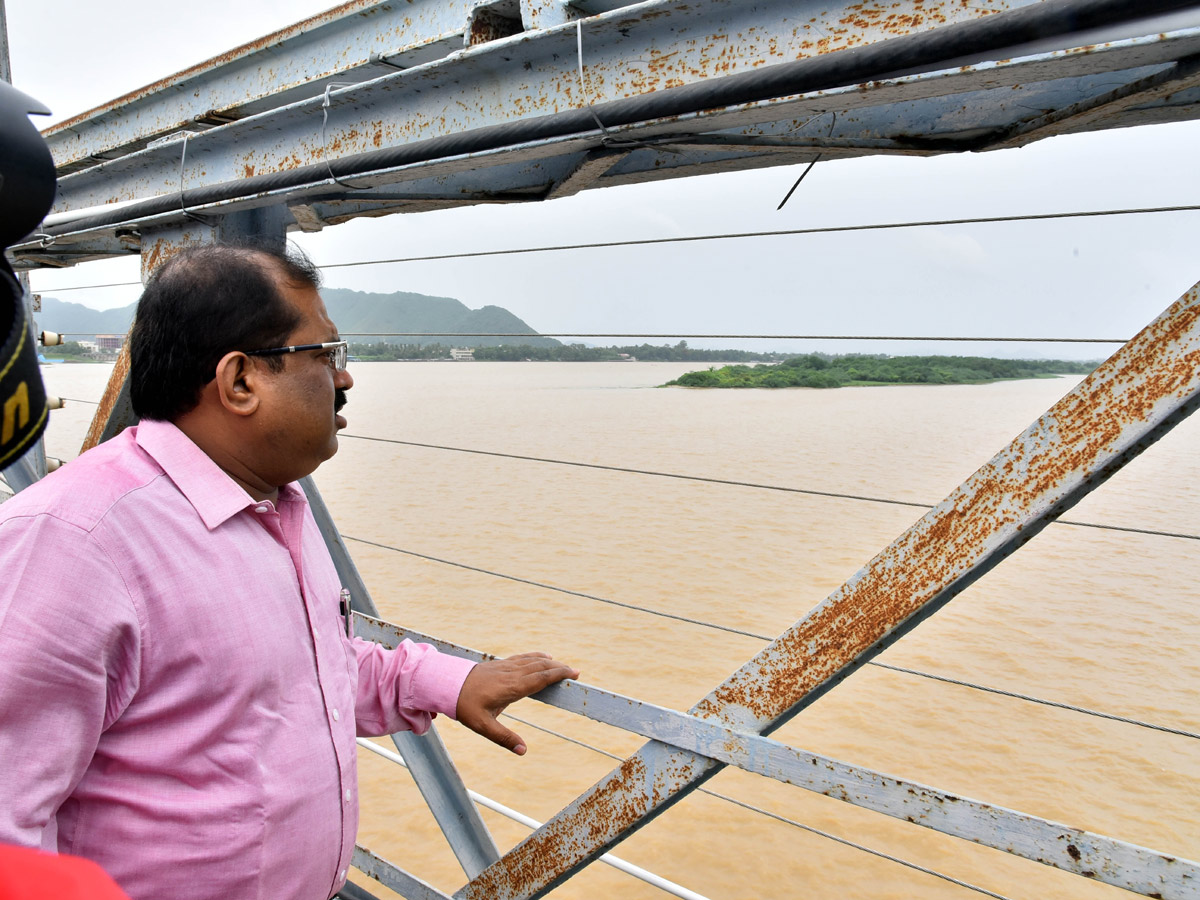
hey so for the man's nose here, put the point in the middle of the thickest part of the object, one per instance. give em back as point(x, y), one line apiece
point(344, 380)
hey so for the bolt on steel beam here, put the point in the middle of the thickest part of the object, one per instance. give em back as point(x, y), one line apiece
point(1146, 388)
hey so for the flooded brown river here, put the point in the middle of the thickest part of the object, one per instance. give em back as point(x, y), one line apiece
point(1100, 619)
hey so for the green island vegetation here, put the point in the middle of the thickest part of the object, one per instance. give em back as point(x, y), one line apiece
point(679, 352)
point(819, 370)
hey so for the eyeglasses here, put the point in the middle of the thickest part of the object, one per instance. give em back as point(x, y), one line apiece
point(338, 356)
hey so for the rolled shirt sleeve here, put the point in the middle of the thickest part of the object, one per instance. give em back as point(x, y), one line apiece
point(402, 689)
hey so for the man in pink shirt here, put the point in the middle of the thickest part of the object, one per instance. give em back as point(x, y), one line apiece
point(178, 698)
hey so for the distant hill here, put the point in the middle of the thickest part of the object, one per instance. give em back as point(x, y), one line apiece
point(355, 312)
point(68, 318)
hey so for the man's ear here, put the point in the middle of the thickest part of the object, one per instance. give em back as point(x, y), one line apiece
point(237, 382)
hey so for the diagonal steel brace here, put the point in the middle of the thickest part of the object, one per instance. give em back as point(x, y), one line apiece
point(1146, 388)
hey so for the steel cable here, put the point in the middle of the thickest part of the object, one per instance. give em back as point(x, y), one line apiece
point(771, 815)
point(747, 484)
point(767, 638)
point(738, 631)
point(631, 335)
point(779, 232)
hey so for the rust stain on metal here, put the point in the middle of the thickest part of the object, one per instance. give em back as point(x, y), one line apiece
point(486, 25)
point(108, 402)
point(240, 52)
point(1066, 442)
point(622, 800)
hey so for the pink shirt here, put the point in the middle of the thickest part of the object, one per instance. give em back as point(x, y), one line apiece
point(178, 699)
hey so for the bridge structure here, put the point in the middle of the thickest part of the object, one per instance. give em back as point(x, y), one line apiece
point(379, 107)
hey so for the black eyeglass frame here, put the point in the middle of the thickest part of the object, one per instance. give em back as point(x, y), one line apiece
point(339, 358)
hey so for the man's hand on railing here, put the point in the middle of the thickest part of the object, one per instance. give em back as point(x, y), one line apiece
point(493, 685)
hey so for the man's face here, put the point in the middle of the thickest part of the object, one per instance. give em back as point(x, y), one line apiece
point(300, 404)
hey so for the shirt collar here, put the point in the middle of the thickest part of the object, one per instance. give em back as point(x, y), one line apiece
point(213, 494)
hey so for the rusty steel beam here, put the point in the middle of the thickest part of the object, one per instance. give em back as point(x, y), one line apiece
point(966, 104)
point(115, 412)
point(353, 42)
point(1074, 850)
point(1147, 387)
point(648, 49)
point(511, 115)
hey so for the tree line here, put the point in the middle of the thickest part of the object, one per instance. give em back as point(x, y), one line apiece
point(679, 352)
point(819, 370)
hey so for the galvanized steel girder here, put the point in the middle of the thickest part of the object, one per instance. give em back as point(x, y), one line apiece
point(353, 42)
point(1145, 389)
point(392, 876)
point(739, 138)
point(649, 48)
point(1071, 849)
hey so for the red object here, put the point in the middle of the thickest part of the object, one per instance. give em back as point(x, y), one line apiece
point(32, 875)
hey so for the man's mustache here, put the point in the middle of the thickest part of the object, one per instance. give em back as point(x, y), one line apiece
point(339, 399)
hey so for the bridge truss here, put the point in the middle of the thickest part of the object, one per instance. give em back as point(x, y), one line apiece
point(381, 106)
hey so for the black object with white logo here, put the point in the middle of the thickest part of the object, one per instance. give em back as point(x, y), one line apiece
point(26, 193)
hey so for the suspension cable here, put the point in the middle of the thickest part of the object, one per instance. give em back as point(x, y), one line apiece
point(738, 337)
point(633, 335)
point(767, 639)
point(747, 484)
point(560, 590)
point(783, 232)
point(771, 815)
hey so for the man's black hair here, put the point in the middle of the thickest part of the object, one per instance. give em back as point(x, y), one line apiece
point(202, 303)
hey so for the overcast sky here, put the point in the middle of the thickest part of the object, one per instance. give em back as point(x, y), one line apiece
point(1074, 278)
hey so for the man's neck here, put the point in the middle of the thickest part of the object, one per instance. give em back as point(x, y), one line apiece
point(207, 437)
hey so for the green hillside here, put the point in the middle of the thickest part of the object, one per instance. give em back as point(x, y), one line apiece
point(361, 313)
point(64, 317)
point(355, 312)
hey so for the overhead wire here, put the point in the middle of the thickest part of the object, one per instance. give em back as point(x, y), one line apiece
point(749, 807)
point(767, 638)
point(777, 232)
point(746, 484)
point(740, 337)
point(738, 631)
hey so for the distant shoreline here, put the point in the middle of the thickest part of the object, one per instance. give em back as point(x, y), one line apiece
point(858, 370)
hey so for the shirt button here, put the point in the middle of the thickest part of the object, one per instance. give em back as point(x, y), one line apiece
point(260, 509)
point(336, 717)
point(316, 634)
point(342, 875)
point(347, 795)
